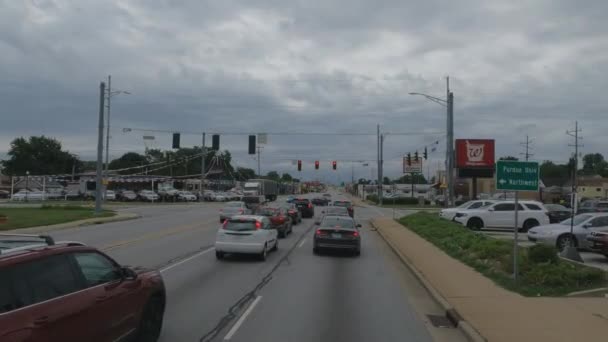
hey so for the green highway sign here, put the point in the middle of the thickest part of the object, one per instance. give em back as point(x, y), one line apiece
point(517, 175)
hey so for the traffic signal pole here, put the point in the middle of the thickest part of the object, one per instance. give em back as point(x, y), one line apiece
point(203, 166)
point(98, 185)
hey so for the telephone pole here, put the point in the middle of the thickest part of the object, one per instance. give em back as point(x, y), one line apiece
point(259, 160)
point(203, 157)
point(571, 252)
point(527, 145)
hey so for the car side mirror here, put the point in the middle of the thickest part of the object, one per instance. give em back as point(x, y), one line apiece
point(491, 209)
point(128, 273)
point(317, 223)
point(359, 225)
point(587, 225)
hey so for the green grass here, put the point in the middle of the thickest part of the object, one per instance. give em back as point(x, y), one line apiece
point(47, 215)
point(539, 275)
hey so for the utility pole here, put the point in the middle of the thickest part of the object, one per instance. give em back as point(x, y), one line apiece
point(381, 173)
point(379, 181)
point(109, 98)
point(102, 88)
point(203, 157)
point(450, 143)
point(527, 145)
point(259, 162)
point(571, 252)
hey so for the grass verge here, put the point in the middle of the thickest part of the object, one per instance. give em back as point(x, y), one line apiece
point(47, 215)
point(541, 273)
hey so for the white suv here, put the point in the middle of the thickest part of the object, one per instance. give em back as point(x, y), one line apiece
point(450, 213)
point(502, 215)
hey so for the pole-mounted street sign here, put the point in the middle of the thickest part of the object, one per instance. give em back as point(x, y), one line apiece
point(517, 175)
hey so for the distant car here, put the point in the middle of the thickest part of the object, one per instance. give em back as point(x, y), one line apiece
point(232, 209)
point(4, 194)
point(148, 196)
point(449, 213)
point(327, 195)
point(279, 219)
point(27, 195)
point(593, 206)
point(67, 291)
point(337, 233)
point(305, 206)
point(246, 234)
point(597, 242)
point(290, 199)
point(127, 195)
point(321, 201)
point(346, 204)
point(557, 213)
point(335, 211)
point(502, 215)
point(110, 195)
point(294, 213)
point(220, 197)
point(185, 196)
point(558, 234)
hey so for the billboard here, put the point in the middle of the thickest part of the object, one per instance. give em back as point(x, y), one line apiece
point(415, 167)
point(474, 153)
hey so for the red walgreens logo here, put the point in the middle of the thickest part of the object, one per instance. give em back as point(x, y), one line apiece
point(474, 153)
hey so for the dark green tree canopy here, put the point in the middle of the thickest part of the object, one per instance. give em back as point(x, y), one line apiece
point(39, 155)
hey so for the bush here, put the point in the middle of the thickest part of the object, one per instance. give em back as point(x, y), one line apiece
point(401, 200)
point(541, 271)
point(539, 254)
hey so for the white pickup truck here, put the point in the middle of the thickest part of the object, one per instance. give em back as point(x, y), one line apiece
point(502, 215)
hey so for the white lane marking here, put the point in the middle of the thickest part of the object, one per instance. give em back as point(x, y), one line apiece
point(165, 269)
point(238, 323)
point(302, 243)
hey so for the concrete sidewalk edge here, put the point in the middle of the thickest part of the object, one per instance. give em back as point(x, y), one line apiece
point(450, 312)
point(121, 216)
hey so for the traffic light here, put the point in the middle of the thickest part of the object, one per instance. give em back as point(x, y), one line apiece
point(409, 159)
point(416, 156)
point(175, 140)
point(215, 142)
point(334, 164)
point(426, 155)
point(299, 165)
point(316, 164)
point(252, 144)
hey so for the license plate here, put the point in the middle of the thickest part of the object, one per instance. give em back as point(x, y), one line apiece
point(336, 235)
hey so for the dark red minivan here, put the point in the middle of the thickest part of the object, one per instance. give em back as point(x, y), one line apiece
point(71, 292)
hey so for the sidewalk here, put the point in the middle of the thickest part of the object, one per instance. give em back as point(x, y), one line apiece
point(495, 313)
point(120, 216)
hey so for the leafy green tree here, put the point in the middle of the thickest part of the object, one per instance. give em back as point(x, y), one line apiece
point(131, 161)
point(286, 177)
point(244, 173)
point(508, 158)
point(39, 155)
point(407, 179)
point(273, 175)
point(594, 164)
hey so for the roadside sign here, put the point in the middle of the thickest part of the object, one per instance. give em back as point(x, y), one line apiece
point(517, 175)
point(262, 138)
point(415, 167)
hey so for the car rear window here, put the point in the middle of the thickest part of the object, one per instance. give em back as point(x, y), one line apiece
point(339, 222)
point(336, 211)
point(533, 206)
point(302, 201)
point(233, 204)
point(342, 204)
point(240, 225)
point(268, 211)
point(602, 205)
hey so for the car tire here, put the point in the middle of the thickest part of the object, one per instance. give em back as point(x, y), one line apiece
point(565, 240)
point(151, 321)
point(475, 223)
point(315, 251)
point(282, 234)
point(357, 252)
point(262, 256)
point(529, 224)
point(219, 255)
point(276, 246)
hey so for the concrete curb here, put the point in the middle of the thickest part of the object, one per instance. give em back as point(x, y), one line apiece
point(74, 224)
point(450, 312)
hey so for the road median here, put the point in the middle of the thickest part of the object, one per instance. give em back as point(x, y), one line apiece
point(485, 311)
point(117, 217)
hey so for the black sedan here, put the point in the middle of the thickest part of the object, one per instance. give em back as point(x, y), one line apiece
point(557, 213)
point(320, 201)
point(337, 233)
point(305, 207)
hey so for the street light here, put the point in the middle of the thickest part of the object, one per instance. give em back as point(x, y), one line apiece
point(27, 184)
point(449, 157)
point(109, 96)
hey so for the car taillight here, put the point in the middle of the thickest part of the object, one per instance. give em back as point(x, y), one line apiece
point(225, 224)
point(282, 218)
point(258, 225)
point(310, 205)
point(355, 234)
point(241, 211)
point(319, 232)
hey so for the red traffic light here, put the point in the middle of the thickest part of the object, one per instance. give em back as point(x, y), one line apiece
point(316, 164)
point(334, 164)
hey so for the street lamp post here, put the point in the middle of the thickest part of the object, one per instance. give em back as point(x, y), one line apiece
point(27, 184)
point(109, 95)
point(449, 154)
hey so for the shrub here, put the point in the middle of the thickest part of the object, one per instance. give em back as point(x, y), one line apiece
point(542, 254)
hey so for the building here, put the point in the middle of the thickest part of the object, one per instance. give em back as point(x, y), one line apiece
point(592, 187)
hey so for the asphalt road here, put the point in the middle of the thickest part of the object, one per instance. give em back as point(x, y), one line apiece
point(293, 296)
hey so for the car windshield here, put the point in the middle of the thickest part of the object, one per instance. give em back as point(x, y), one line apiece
point(342, 204)
point(337, 222)
point(578, 219)
point(555, 207)
point(268, 211)
point(240, 225)
point(465, 205)
point(233, 205)
point(336, 211)
point(302, 201)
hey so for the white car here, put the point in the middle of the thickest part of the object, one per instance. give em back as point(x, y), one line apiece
point(24, 195)
point(450, 213)
point(110, 195)
point(186, 196)
point(148, 195)
point(502, 215)
point(558, 234)
point(246, 234)
point(220, 197)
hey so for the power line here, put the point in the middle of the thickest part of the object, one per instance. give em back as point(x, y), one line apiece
point(128, 129)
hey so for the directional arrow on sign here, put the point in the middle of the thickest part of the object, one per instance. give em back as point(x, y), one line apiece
point(502, 181)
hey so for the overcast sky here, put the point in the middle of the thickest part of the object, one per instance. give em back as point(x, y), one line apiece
point(516, 68)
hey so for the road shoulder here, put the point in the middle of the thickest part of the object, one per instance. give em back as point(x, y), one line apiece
point(120, 216)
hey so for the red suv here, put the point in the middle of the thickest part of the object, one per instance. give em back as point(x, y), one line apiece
point(67, 291)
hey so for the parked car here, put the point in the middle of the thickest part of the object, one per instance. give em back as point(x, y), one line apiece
point(148, 196)
point(335, 211)
point(293, 212)
point(593, 206)
point(597, 242)
point(337, 233)
point(279, 219)
point(232, 209)
point(290, 199)
point(186, 196)
point(502, 215)
point(557, 213)
point(28, 195)
point(348, 205)
point(327, 196)
point(4, 194)
point(321, 201)
point(110, 195)
point(67, 291)
point(246, 234)
point(305, 206)
point(558, 234)
point(450, 213)
point(127, 195)
point(220, 197)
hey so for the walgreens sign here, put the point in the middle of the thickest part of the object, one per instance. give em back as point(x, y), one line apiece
point(474, 153)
